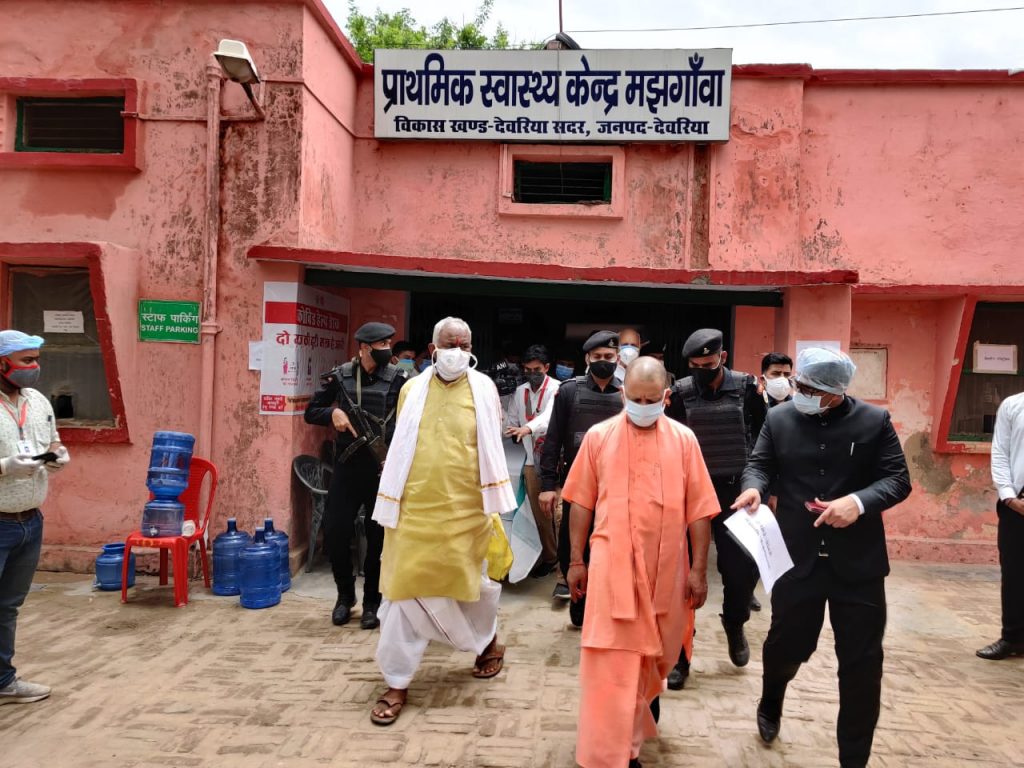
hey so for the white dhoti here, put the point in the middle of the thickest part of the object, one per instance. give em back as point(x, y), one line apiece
point(407, 626)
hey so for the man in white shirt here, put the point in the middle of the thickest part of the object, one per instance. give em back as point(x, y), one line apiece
point(30, 450)
point(630, 344)
point(1008, 477)
point(528, 414)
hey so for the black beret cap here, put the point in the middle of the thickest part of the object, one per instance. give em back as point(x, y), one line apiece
point(602, 339)
point(370, 333)
point(706, 341)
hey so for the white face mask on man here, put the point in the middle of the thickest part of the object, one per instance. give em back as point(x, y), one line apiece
point(644, 415)
point(779, 388)
point(628, 353)
point(451, 364)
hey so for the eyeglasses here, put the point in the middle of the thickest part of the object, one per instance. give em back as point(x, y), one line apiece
point(807, 391)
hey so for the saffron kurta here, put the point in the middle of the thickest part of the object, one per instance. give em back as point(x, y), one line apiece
point(442, 532)
point(645, 487)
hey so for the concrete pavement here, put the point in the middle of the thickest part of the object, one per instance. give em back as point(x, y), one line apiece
point(212, 684)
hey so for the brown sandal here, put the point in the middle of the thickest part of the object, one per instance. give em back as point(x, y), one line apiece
point(380, 717)
point(492, 653)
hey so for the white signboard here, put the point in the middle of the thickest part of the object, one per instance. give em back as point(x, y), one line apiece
point(995, 358)
point(63, 321)
point(604, 96)
point(305, 332)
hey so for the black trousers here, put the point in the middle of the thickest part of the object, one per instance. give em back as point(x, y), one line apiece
point(737, 568)
point(857, 613)
point(1010, 538)
point(354, 485)
point(563, 540)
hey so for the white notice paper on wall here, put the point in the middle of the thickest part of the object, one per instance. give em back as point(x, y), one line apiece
point(255, 355)
point(803, 344)
point(761, 536)
point(63, 321)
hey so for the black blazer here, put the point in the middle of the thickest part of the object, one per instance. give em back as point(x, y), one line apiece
point(852, 448)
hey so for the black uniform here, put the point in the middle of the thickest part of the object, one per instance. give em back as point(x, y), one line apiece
point(579, 404)
point(852, 448)
point(357, 471)
point(723, 420)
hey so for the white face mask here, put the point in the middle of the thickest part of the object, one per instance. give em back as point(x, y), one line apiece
point(451, 364)
point(779, 388)
point(644, 415)
point(628, 354)
point(807, 405)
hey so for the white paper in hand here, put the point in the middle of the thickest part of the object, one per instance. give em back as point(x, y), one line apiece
point(760, 535)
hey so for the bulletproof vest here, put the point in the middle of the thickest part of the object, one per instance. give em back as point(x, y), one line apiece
point(375, 400)
point(588, 408)
point(719, 424)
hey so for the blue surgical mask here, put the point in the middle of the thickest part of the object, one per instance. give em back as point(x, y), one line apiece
point(808, 405)
point(644, 415)
point(407, 365)
point(424, 364)
point(563, 372)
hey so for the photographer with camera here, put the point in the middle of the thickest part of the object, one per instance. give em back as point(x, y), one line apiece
point(358, 399)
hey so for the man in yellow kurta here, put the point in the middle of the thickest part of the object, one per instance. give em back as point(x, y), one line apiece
point(641, 478)
point(444, 478)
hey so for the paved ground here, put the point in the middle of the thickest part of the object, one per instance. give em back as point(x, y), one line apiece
point(215, 685)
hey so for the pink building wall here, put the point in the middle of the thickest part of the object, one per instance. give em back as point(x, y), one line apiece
point(910, 184)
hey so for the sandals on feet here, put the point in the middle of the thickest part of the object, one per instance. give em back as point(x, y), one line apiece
point(485, 666)
point(379, 715)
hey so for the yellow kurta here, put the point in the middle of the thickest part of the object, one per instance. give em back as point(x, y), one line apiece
point(441, 540)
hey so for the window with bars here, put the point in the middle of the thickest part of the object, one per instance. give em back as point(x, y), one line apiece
point(90, 124)
point(573, 183)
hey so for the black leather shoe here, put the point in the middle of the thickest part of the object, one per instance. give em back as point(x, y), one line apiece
point(369, 619)
point(739, 651)
point(576, 611)
point(1001, 649)
point(634, 763)
point(755, 604)
point(677, 677)
point(342, 612)
point(768, 722)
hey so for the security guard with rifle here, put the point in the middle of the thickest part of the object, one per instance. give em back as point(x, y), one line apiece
point(359, 399)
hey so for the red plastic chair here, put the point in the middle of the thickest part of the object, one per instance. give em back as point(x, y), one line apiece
point(179, 546)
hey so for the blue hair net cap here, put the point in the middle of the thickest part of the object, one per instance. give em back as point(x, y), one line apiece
point(15, 341)
point(825, 369)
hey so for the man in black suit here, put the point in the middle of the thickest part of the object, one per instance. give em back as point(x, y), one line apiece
point(843, 458)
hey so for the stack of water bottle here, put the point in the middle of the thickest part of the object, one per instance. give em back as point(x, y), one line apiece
point(169, 463)
point(256, 568)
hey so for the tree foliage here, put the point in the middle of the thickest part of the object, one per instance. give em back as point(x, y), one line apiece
point(401, 30)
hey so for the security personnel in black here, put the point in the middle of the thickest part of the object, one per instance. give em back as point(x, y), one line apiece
point(720, 406)
point(836, 465)
point(579, 404)
point(358, 399)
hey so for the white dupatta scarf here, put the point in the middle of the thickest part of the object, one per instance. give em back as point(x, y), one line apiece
point(495, 486)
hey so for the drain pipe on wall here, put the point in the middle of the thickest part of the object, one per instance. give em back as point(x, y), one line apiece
point(209, 328)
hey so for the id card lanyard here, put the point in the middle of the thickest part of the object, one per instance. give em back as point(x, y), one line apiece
point(24, 447)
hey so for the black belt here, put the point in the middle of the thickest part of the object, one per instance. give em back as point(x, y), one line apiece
point(19, 517)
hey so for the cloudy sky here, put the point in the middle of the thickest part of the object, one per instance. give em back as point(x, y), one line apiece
point(975, 41)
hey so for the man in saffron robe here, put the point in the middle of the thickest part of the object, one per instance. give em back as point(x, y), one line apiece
point(640, 476)
point(444, 477)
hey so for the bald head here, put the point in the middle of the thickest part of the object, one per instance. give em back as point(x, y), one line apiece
point(646, 380)
point(629, 336)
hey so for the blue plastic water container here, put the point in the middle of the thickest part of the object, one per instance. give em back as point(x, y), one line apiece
point(162, 517)
point(226, 550)
point(280, 538)
point(259, 569)
point(169, 462)
point(109, 566)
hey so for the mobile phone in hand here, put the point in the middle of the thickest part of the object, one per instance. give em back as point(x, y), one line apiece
point(48, 456)
point(815, 507)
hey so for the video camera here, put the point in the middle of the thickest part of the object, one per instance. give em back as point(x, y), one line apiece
point(506, 376)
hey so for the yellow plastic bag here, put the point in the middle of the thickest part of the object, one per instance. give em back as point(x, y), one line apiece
point(499, 551)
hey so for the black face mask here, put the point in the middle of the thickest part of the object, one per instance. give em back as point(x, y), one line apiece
point(603, 369)
point(536, 378)
point(381, 356)
point(704, 376)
